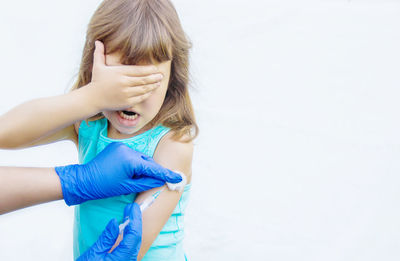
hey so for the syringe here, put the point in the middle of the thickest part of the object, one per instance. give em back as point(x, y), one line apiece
point(150, 200)
point(143, 206)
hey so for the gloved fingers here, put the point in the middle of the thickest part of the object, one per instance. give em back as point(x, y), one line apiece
point(130, 245)
point(141, 184)
point(134, 228)
point(148, 166)
point(128, 210)
point(154, 170)
point(107, 238)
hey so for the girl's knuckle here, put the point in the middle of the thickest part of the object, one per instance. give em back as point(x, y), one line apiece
point(154, 78)
point(125, 92)
point(142, 89)
point(142, 81)
point(144, 97)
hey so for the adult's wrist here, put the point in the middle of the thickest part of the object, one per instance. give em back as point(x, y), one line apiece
point(69, 186)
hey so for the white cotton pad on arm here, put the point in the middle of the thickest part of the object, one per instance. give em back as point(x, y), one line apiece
point(178, 186)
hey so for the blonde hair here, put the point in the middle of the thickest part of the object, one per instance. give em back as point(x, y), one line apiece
point(146, 31)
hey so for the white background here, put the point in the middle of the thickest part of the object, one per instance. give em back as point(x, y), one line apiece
point(298, 106)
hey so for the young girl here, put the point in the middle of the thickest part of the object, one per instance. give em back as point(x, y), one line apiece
point(145, 106)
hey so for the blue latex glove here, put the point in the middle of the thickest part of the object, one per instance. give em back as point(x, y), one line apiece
point(117, 170)
point(128, 248)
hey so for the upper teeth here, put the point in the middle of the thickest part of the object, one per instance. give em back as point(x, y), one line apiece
point(127, 117)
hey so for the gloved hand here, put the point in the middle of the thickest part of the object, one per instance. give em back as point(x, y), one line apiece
point(117, 170)
point(128, 248)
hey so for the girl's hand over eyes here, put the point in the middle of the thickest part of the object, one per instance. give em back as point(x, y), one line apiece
point(120, 87)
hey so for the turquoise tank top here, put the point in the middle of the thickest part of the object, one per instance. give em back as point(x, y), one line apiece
point(92, 216)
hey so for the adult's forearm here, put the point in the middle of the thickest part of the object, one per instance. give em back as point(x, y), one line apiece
point(22, 187)
point(42, 117)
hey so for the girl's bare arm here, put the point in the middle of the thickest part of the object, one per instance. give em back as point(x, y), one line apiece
point(155, 217)
point(34, 120)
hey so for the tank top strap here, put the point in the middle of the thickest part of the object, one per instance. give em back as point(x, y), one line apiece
point(154, 137)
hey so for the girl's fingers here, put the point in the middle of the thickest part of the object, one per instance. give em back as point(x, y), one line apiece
point(143, 80)
point(139, 99)
point(143, 89)
point(137, 70)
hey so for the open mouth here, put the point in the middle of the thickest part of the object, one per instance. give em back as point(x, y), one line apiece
point(128, 115)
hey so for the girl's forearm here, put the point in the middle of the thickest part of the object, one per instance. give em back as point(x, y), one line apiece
point(39, 118)
point(22, 187)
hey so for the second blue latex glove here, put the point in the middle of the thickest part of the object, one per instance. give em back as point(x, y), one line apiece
point(128, 248)
point(117, 170)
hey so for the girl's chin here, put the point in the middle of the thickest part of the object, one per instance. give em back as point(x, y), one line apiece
point(126, 131)
point(115, 130)
point(118, 129)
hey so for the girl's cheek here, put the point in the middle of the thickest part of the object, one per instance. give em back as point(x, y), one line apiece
point(155, 101)
point(158, 95)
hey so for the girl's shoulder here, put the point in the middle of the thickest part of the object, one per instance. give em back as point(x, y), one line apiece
point(175, 154)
